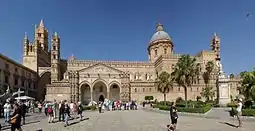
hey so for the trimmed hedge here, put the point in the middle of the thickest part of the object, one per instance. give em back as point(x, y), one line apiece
point(202, 109)
point(89, 108)
point(245, 112)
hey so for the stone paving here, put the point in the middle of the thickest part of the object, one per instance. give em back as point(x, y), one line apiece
point(138, 120)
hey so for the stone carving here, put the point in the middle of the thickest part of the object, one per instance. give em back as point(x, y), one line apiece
point(100, 69)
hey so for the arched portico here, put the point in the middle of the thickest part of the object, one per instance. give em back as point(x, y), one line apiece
point(85, 93)
point(99, 91)
point(114, 89)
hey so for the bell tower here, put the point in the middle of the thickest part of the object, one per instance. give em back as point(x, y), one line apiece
point(41, 35)
point(215, 46)
point(55, 57)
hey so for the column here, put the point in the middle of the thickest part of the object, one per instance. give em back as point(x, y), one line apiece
point(91, 95)
point(108, 93)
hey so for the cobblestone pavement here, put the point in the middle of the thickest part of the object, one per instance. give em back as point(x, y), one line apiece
point(138, 120)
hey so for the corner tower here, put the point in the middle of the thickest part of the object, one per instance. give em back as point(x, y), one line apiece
point(41, 34)
point(160, 44)
point(55, 57)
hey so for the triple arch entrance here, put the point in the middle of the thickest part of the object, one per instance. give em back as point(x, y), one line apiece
point(99, 91)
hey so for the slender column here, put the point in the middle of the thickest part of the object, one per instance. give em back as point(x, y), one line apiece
point(91, 95)
point(108, 92)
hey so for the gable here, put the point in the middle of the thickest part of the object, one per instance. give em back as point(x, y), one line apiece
point(100, 69)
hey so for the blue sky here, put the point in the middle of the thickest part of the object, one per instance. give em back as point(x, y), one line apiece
point(121, 30)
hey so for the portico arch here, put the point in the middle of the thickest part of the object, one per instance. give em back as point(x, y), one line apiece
point(99, 90)
point(85, 93)
point(114, 89)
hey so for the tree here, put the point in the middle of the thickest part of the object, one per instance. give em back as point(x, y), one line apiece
point(184, 72)
point(164, 83)
point(197, 72)
point(248, 85)
point(207, 74)
point(208, 93)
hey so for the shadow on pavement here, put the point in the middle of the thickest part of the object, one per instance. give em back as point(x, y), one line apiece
point(73, 123)
point(8, 127)
point(229, 124)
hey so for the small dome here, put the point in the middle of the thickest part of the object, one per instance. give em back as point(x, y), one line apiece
point(160, 34)
point(72, 57)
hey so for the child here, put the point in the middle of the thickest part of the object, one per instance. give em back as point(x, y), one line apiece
point(50, 113)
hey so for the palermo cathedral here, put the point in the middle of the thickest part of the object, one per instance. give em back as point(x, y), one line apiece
point(91, 80)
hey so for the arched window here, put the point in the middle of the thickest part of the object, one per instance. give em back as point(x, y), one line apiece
point(179, 89)
point(150, 89)
point(156, 52)
point(165, 50)
point(197, 89)
point(135, 90)
point(143, 90)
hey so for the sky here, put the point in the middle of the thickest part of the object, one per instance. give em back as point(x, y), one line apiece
point(122, 29)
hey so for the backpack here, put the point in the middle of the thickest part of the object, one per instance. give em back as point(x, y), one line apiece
point(50, 110)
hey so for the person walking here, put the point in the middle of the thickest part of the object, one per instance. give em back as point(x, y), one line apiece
point(100, 107)
point(239, 112)
point(80, 110)
point(39, 105)
point(16, 118)
point(66, 113)
point(173, 117)
point(23, 109)
point(54, 107)
point(50, 113)
point(61, 111)
point(7, 111)
point(46, 108)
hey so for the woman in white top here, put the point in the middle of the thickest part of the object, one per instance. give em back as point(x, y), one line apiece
point(239, 112)
point(7, 111)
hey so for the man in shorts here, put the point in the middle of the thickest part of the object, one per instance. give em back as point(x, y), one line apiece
point(173, 117)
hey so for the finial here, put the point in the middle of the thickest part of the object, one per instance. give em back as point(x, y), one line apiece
point(159, 27)
point(41, 23)
point(55, 33)
point(25, 36)
point(214, 34)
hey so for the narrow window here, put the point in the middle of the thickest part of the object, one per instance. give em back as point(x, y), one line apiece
point(165, 50)
point(156, 52)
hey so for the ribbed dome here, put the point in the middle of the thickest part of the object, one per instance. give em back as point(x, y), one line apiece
point(160, 34)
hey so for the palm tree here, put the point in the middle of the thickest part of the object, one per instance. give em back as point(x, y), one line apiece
point(184, 72)
point(207, 74)
point(208, 93)
point(197, 72)
point(164, 83)
point(248, 85)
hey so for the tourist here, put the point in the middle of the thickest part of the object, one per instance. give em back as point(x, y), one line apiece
point(80, 110)
point(173, 117)
point(50, 113)
point(7, 111)
point(239, 112)
point(23, 109)
point(100, 106)
point(39, 105)
point(54, 107)
point(75, 110)
point(66, 113)
point(71, 107)
point(46, 108)
point(16, 118)
point(61, 111)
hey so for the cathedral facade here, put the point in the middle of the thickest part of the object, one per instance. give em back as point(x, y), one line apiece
point(91, 80)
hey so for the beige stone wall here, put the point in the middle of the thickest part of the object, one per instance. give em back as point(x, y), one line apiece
point(58, 92)
point(17, 76)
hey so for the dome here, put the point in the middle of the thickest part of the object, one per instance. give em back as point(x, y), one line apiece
point(160, 34)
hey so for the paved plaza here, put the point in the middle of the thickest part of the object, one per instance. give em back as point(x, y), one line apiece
point(138, 120)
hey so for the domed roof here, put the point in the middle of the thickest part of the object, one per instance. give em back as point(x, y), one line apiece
point(160, 34)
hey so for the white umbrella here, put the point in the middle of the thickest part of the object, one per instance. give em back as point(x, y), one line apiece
point(24, 98)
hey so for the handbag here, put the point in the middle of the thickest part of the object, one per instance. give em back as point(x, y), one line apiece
point(13, 121)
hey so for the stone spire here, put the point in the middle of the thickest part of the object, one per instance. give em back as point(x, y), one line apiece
point(55, 34)
point(159, 27)
point(25, 37)
point(41, 23)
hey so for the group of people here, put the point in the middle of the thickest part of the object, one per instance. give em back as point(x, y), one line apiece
point(64, 109)
point(14, 114)
point(116, 105)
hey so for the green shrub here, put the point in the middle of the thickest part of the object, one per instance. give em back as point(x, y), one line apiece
point(231, 104)
point(89, 108)
point(248, 112)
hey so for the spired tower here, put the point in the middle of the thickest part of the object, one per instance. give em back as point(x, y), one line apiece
point(36, 54)
point(160, 44)
point(55, 57)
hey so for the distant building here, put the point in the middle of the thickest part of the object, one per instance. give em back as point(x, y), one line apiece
point(87, 80)
point(17, 76)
